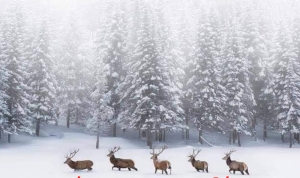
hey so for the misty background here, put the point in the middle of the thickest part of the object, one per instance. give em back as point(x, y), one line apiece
point(224, 66)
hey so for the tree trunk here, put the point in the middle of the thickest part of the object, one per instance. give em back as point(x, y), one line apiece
point(234, 136)
point(97, 142)
point(77, 112)
point(183, 133)
point(68, 118)
point(298, 139)
point(265, 132)
point(200, 136)
point(239, 140)
point(160, 135)
point(98, 136)
point(291, 139)
point(230, 139)
point(8, 138)
point(37, 127)
point(139, 133)
point(187, 134)
point(282, 137)
point(115, 130)
point(164, 136)
point(0, 134)
point(149, 139)
point(144, 133)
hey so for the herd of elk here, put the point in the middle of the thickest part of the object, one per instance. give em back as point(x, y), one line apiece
point(235, 165)
point(118, 162)
point(162, 165)
point(78, 165)
point(198, 165)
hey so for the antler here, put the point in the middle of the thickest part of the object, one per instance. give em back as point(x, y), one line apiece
point(198, 151)
point(194, 154)
point(231, 151)
point(162, 149)
point(115, 149)
point(72, 154)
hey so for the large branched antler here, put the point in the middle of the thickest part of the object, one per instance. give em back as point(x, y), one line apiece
point(115, 149)
point(195, 153)
point(71, 154)
point(162, 149)
point(230, 152)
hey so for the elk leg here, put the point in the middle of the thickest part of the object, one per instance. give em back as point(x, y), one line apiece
point(166, 172)
point(162, 171)
point(155, 170)
point(247, 171)
point(129, 169)
point(233, 171)
point(119, 169)
point(230, 171)
point(197, 169)
point(89, 168)
point(134, 168)
point(242, 172)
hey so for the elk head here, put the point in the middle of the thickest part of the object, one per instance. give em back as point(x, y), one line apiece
point(155, 155)
point(113, 151)
point(70, 156)
point(228, 154)
point(193, 155)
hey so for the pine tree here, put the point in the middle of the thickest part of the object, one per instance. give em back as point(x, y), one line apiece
point(148, 99)
point(17, 104)
point(41, 79)
point(113, 56)
point(71, 73)
point(205, 83)
point(286, 87)
point(240, 101)
point(4, 112)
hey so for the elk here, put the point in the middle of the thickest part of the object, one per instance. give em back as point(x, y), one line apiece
point(78, 165)
point(235, 165)
point(162, 165)
point(198, 165)
point(118, 162)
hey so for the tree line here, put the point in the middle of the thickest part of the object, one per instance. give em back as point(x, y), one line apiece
point(153, 66)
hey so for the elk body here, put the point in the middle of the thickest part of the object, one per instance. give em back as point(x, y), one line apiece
point(78, 165)
point(118, 162)
point(235, 165)
point(162, 165)
point(198, 165)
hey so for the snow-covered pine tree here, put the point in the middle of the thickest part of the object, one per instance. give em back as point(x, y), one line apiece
point(41, 79)
point(148, 99)
point(169, 50)
point(17, 104)
point(240, 96)
point(205, 82)
point(71, 84)
point(287, 89)
point(266, 100)
point(4, 112)
point(113, 56)
point(255, 47)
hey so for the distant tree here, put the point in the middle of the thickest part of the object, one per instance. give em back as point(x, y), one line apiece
point(148, 99)
point(205, 83)
point(17, 91)
point(41, 79)
point(286, 80)
point(240, 101)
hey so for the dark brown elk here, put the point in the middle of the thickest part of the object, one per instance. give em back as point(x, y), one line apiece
point(78, 165)
point(235, 165)
point(118, 162)
point(162, 165)
point(198, 165)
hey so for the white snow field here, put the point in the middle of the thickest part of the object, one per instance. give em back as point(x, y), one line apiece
point(32, 157)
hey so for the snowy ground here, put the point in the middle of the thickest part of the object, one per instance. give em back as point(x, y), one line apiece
point(43, 158)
